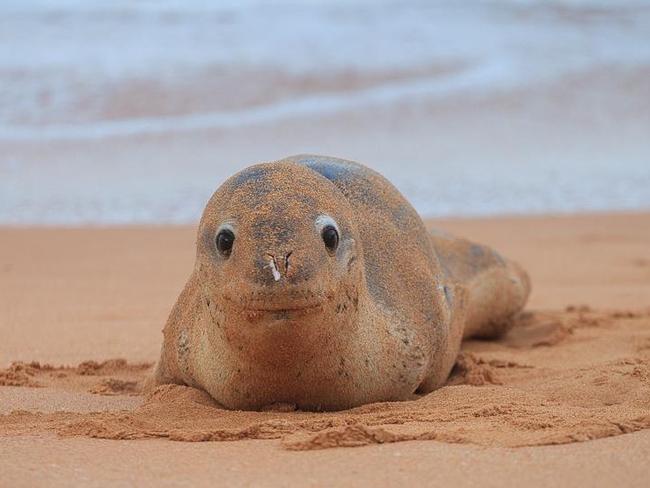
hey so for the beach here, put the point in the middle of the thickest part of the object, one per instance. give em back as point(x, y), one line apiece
point(562, 398)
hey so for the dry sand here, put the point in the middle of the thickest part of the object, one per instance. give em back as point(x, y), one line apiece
point(563, 399)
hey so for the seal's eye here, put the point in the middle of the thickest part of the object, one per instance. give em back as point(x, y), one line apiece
point(225, 239)
point(330, 237)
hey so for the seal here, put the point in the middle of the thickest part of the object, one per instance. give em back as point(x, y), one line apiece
point(317, 285)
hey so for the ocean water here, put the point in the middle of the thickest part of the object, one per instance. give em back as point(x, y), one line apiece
point(80, 78)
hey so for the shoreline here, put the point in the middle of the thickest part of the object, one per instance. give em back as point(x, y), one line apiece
point(429, 221)
point(538, 148)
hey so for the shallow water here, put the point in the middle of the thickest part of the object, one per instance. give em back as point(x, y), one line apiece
point(82, 77)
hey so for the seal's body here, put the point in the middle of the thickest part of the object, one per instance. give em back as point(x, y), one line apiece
point(316, 284)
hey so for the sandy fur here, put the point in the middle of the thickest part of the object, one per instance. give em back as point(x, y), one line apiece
point(391, 306)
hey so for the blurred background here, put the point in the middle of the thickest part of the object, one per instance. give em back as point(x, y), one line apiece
point(115, 112)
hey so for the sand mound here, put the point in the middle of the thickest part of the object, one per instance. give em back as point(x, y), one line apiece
point(122, 376)
point(22, 374)
point(557, 377)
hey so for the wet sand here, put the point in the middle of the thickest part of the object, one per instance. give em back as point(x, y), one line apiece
point(564, 398)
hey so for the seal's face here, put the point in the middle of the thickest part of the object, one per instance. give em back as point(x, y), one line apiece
point(277, 245)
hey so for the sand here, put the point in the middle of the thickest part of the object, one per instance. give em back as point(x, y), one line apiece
point(564, 398)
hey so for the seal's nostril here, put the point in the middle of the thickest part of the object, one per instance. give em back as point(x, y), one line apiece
point(278, 265)
point(286, 262)
point(274, 267)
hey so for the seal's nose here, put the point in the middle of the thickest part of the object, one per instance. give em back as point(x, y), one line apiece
point(278, 265)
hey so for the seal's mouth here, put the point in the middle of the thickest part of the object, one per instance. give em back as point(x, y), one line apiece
point(272, 308)
point(281, 312)
point(278, 306)
point(286, 304)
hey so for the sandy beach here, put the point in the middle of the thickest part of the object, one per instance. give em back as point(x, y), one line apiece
point(564, 398)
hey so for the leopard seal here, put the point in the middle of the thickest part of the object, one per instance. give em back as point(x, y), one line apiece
point(316, 284)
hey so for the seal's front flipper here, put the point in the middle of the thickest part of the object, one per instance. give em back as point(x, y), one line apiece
point(497, 289)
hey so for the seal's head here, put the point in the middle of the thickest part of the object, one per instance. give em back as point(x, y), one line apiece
point(280, 285)
point(277, 245)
